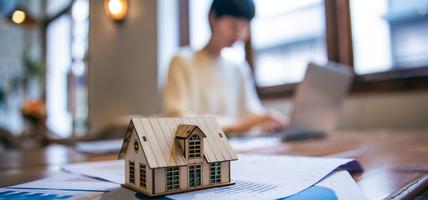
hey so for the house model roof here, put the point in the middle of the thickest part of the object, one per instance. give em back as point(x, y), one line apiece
point(184, 130)
point(157, 138)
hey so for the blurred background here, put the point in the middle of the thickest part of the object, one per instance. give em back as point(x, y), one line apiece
point(77, 69)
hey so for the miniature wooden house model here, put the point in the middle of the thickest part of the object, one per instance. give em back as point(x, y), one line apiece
point(170, 155)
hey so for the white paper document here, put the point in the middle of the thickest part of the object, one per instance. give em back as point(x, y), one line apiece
point(67, 181)
point(113, 171)
point(343, 185)
point(256, 176)
point(251, 143)
point(101, 146)
point(273, 177)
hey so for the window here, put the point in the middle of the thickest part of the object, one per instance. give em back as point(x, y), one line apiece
point(79, 48)
point(142, 175)
point(194, 175)
point(67, 44)
point(215, 173)
point(389, 34)
point(172, 178)
point(286, 35)
point(195, 146)
point(382, 40)
point(59, 119)
point(132, 172)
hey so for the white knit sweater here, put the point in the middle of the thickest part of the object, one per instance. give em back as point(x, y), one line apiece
point(199, 83)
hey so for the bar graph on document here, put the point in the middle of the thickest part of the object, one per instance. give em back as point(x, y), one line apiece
point(242, 189)
point(41, 194)
point(246, 187)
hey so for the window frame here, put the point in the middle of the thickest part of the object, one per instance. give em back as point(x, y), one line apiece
point(174, 178)
point(195, 146)
point(339, 49)
point(215, 178)
point(131, 165)
point(143, 175)
point(192, 174)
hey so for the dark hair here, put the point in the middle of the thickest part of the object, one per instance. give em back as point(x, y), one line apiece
point(234, 8)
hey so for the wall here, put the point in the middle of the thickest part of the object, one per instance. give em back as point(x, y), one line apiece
point(138, 158)
point(123, 62)
point(400, 110)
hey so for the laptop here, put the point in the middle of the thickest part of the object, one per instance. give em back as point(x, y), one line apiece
point(318, 101)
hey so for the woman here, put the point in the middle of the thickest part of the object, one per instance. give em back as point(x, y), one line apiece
point(203, 82)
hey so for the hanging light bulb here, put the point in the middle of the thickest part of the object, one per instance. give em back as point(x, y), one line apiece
point(116, 9)
point(18, 16)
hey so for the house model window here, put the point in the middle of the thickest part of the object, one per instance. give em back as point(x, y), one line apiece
point(215, 172)
point(172, 178)
point(142, 175)
point(132, 172)
point(194, 175)
point(175, 155)
point(194, 146)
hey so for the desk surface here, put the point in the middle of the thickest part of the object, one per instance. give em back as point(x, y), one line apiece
point(395, 162)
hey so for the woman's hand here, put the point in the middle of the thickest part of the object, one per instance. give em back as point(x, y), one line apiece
point(269, 122)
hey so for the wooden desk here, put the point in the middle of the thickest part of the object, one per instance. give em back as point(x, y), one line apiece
point(396, 163)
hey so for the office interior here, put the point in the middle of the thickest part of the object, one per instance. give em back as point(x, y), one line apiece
point(77, 70)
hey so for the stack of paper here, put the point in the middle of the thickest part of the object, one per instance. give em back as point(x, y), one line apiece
point(256, 177)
